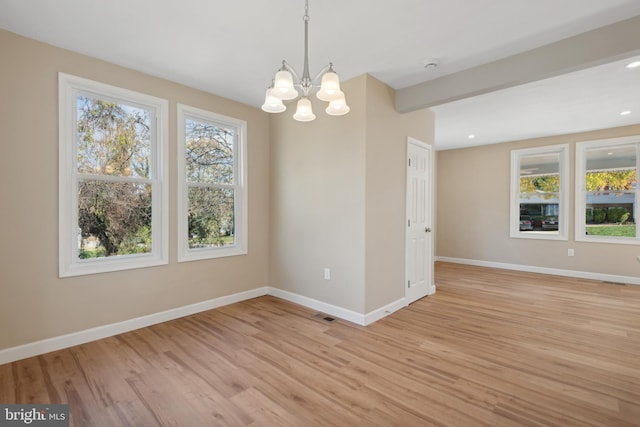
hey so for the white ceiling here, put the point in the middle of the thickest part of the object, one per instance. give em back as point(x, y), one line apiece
point(233, 48)
point(577, 102)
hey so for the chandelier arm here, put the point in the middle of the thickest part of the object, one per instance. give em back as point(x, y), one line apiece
point(289, 68)
point(326, 68)
point(304, 85)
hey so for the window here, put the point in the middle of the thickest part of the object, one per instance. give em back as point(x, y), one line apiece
point(539, 182)
point(607, 190)
point(211, 191)
point(112, 183)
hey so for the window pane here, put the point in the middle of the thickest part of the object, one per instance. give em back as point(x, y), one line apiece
point(611, 181)
point(211, 217)
point(112, 138)
point(114, 218)
point(209, 153)
point(539, 192)
point(212, 203)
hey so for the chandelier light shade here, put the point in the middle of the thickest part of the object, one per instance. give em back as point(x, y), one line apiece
point(287, 85)
point(273, 103)
point(338, 106)
point(284, 85)
point(304, 113)
point(330, 87)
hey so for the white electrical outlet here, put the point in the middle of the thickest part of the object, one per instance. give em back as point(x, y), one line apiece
point(570, 252)
point(327, 273)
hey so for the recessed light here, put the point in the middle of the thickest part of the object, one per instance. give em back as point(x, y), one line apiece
point(472, 136)
point(609, 153)
point(625, 113)
point(634, 64)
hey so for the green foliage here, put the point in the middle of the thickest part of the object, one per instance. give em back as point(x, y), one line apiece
point(615, 213)
point(118, 214)
point(599, 215)
point(113, 140)
point(210, 217)
point(87, 254)
point(611, 180)
point(546, 186)
point(612, 230)
point(210, 163)
point(137, 242)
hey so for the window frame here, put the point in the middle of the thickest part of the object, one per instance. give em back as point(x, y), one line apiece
point(185, 253)
point(69, 88)
point(581, 190)
point(563, 194)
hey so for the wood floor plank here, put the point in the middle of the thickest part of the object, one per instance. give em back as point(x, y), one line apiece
point(491, 348)
point(263, 410)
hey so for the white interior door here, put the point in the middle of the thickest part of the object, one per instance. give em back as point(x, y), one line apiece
point(419, 238)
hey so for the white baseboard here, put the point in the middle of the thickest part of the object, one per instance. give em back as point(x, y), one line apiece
point(56, 343)
point(342, 313)
point(320, 306)
point(52, 344)
point(544, 270)
point(12, 354)
point(382, 312)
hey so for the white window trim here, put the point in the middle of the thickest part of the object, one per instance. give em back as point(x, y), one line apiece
point(581, 191)
point(240, 187)
point(563, 219)
point(69, 87)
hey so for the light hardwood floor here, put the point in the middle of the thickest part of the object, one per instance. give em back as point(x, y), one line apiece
point(491, 348)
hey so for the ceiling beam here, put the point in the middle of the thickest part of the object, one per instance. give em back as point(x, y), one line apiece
point(600, 46)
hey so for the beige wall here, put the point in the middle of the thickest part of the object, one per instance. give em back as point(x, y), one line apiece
point(338, 202)
point(338, 199)
point(36, 304)
point(317, 202)
point(473, 212)
point(386, 175)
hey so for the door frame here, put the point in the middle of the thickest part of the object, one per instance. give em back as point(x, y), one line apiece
point(431, 212)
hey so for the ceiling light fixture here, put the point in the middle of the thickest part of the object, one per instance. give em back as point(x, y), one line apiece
point(431, 64)
point(283, 87)
point(625, 113)
point(634, 64)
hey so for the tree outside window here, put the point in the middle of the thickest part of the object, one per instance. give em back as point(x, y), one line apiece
point(538, 201)
point(211, 196)
point(607, 203)
point(114, 216)
point(113, 201)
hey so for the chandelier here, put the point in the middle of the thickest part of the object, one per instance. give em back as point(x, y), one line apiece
point(283, 87)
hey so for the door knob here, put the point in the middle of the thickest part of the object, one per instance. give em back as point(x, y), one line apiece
point(427, 230)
